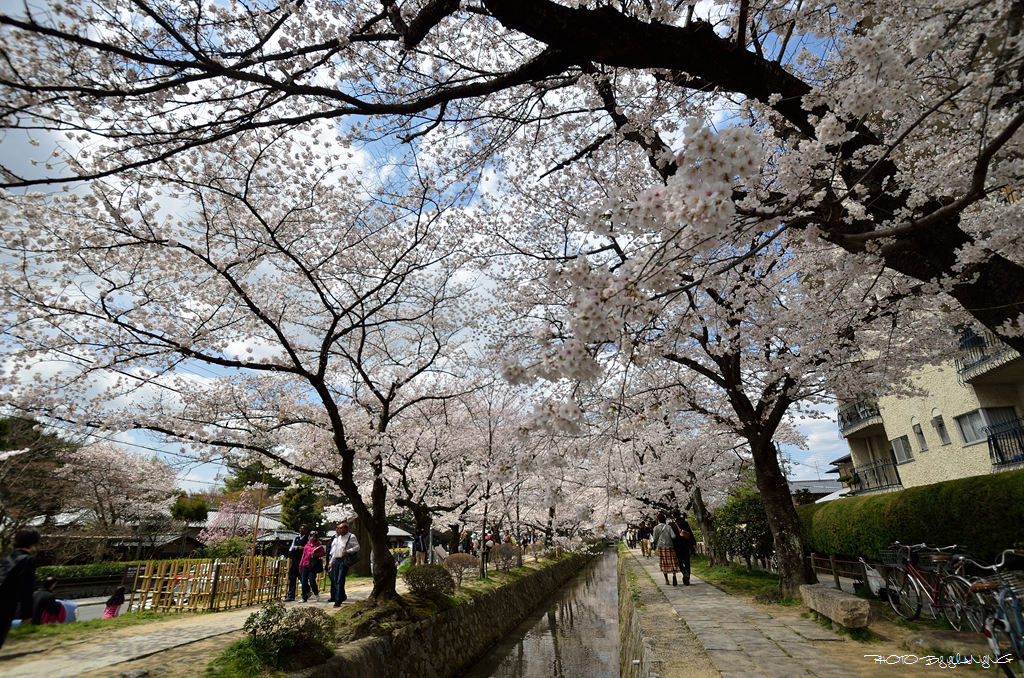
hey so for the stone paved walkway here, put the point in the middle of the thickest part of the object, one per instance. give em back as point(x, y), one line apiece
point(149, 640)
point(742, 641)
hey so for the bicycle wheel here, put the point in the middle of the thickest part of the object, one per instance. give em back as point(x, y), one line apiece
point(1002, 646)
point(956, 591)
point(980, 604)
point(904, 594)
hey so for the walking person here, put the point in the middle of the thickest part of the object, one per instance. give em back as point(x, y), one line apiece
point(644, 533)
point(667, 561)
point(683, 542)
point(295, 557)
point(311, 565)
point(112, 607)
point(419, 548)
point(342, 555)
point(17, 575)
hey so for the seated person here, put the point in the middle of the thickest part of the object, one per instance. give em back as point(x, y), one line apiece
point(46, 609)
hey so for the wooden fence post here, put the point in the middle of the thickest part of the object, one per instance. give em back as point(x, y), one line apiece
point(835, 573)
point(213, 587)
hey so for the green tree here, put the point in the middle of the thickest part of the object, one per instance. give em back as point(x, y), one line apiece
point(241, 476)
point(300, 506)
point(741, 525)
point(29, 488)
point(803, 497)
point(190, 509)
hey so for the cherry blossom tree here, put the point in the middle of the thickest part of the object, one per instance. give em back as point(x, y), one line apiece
point(117, 487)
point(890, 130)
point(233, 519)
point(745, 349)
point(262, 301)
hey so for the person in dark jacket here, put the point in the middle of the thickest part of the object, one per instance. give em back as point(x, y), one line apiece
point(295, 557)
point(45, 603)
point(684, 542)
point(17, 581)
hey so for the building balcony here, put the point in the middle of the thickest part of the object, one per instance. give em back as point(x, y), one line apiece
point(980, 355)
point(877, 476)
point(857, 416)
point(1006, 445)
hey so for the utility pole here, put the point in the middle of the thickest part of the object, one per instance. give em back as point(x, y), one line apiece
point(259, 507)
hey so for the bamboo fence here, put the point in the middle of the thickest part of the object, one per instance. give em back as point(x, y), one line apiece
point(194, 585)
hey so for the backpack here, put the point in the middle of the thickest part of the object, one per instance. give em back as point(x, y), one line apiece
point(6, 565)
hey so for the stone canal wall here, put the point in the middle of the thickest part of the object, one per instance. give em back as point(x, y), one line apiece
point(447, 643)
point(636, 655)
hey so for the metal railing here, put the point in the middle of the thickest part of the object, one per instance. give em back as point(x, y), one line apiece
point(877, 475)
point(980, 352)
point(855, 413)
point(1006, 444)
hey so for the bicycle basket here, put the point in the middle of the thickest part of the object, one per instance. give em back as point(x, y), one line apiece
point(891, 556)
point(1013, 581)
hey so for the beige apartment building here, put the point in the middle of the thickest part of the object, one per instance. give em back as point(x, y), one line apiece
point(967, 422)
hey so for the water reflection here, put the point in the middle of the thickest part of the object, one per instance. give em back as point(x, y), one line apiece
point(577, 636)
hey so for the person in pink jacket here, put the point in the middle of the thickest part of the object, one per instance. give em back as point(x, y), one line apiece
point(114, 603)
point(311, 566)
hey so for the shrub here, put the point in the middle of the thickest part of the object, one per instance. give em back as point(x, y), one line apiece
point(429, 581)
point(985, 513)
point(458, 564)
point(504, 556)
point(232, 547)
point(63, 572)
point(282, 640)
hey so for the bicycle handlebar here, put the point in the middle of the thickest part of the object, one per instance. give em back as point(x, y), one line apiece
point(911, 547)
point(998, 565)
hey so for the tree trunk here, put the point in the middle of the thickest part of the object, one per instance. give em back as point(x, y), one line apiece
point(549, 531)
point(794, 567)
point(385, 571)
point(453, 541)
point(706, 522)
point(481, 549)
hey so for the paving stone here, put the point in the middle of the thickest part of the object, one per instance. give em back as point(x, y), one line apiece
point(743, 642)
point(781, 634)
point(731, 660)
point(717, 642)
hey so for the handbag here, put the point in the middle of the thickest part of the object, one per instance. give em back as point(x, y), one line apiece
point(350, 559)
point(316, 565)
point(682, 534)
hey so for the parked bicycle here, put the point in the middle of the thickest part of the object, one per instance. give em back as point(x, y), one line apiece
point(919, 573)
point(1000, 598)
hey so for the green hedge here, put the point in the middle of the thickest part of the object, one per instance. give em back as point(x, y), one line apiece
point(984, 513)
point(88, 570)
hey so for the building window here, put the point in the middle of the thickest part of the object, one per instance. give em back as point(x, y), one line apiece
point(919, 434)
point(940, 427)
point(972, 425)
point(901, 448)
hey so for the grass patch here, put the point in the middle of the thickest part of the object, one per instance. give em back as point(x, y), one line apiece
point(922, 623)
point(734, 578)
point(634, 590)
point(861, 635)
point(240, 660)
point(82, 628)
point(363, 619)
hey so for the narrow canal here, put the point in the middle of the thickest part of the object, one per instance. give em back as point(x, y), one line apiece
point(576, 636)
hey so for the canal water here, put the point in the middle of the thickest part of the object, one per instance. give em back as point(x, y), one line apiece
point(576, 636)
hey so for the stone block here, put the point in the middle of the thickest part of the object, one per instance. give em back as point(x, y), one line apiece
point(841, 607)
